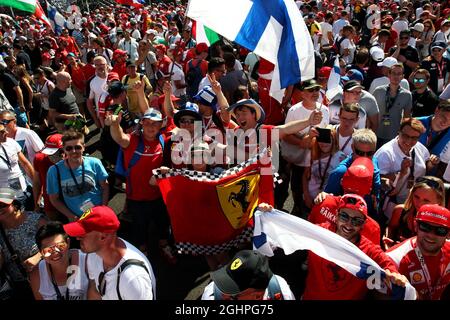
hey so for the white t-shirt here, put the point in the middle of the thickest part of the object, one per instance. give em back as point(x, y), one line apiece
point(135, 282)
point(11, 177)
point(131, 47)
point(177, 75)
point(208, 293)
point(381, 81)
point(298, 112)
point(29, 141)
point(347, 44)
point(98, 86)
point(326, 28)
point(78, 282)
point(205, 82)
point(390, 158)
point(45, 92)
point(345, 145)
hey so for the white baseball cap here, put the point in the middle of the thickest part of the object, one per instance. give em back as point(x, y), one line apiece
point(388, 62)
point(377, 53)
point(419, 27)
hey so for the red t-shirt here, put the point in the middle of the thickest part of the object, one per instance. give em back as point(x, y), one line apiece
point(327, 212)
point(78, 78)
point(121, 69)
point(164, 64)
point(408, 264)
point(328, 281)
point(41, 164)
point(89, 71)
point(141, 172)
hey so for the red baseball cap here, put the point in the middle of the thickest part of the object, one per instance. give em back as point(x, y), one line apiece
point(112, 76)
point(324, 72)
point(358, 177)
point(118, 53)
point(434, 213)
point(100, 218)
point(52, 144)
point(353, 202)
point(201, 47)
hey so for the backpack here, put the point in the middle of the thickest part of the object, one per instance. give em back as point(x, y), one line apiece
point(273, 288)
point(120, 168)
point(193, 78)
point(254, 75)
point(335, 50)
point(123, 266)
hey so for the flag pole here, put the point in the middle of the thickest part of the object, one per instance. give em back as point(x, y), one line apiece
point(87, 6)
point(12, 12)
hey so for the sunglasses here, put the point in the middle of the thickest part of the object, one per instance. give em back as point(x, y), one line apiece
point(427, 228)
point(76, 148)
point(187, 121)
point(364, 153)
point(58, 247)
point(355, 221)
point(315, 89)
point(431, 183)
point(419, 80)
point(6, 121)
point(101, 287)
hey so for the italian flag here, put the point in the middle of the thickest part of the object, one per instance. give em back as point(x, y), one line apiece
point(24, 5)
point(202, 33)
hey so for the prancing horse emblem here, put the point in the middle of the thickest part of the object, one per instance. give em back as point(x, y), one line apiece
point(240, 195)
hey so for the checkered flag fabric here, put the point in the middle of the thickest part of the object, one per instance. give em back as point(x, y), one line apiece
point(194, 249)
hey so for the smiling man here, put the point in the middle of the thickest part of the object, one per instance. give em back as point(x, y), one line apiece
point(425, 259)
point(326, 280)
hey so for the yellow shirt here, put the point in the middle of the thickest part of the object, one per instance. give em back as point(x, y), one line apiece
point(133, 105)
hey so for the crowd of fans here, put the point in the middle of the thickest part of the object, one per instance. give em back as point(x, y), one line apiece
point(369, 162)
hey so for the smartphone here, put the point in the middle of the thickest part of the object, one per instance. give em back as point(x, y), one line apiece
point(324, 135)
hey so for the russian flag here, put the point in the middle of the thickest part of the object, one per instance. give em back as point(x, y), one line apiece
point(273, 29)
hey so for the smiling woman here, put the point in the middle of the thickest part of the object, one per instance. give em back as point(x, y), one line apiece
point(61, 275)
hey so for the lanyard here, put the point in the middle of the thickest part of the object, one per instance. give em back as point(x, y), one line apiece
point(322, 176)
point(413, 156)
point(80, 189)
point(55, 285)
point(6, 159)
point(206, 127)
point(426, 273)
point(440, 67)
point(346, 142)
point(390, 101)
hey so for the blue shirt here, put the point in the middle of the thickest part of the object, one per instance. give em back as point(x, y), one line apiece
point(334, 183)
point(439, 147)
point(94, 173)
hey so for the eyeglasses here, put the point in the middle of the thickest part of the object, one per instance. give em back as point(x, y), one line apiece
point(101, 287)
point(428, 228)
point(6, 121)
point(57, 247)
point(407, 136)
point(431, 183)
point(187, 121)
point(76, 148)
point(419, 80)
point(355, 221)
point(364, 153)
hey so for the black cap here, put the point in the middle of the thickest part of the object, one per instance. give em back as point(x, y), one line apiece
point(116, 88)
point(439, 44)
point(309, 84)
point(130, 63)
point(248, 269)
point(351, 85)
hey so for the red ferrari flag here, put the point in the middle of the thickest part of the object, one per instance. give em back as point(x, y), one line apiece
point(212, 213)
